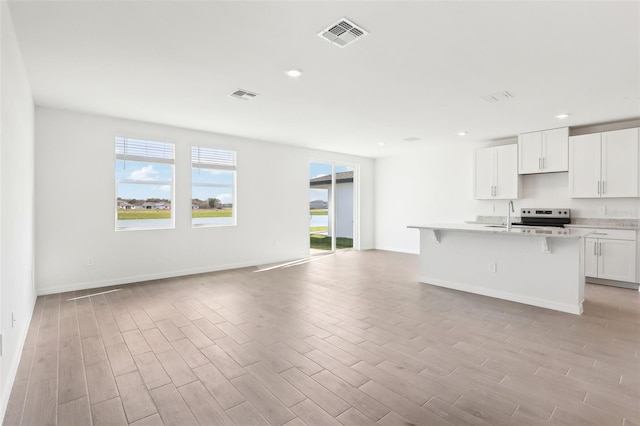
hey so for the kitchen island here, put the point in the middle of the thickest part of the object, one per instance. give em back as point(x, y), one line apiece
point(536, 266)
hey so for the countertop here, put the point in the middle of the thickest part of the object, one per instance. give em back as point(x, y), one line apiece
point(595, 226)
point(527, 231)
point(592, 223)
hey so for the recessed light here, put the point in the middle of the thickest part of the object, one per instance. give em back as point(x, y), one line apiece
point(562, 116)
point(462, 133)
point(381, 143)
point(411, 139)
point(293, 73)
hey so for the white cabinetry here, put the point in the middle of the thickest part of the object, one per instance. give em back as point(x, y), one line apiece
point(604, 165)
point(611, 254)
point(496, 173)
point(546, 151)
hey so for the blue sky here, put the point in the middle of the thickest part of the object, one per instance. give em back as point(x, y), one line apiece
point(322, 169)
point(159, 177)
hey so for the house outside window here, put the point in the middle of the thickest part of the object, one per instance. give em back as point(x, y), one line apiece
point(144, 172)
point(213, 187)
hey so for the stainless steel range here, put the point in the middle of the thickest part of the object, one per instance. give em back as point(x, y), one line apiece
point(544, 217)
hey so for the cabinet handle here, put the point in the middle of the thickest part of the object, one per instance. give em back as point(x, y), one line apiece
point(599, 248)
point(598, 187)
point(542, 163)
point(603, 188)
point(539, 163)
point(595, 248)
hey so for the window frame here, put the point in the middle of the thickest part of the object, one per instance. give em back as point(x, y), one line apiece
point(149, 159)
point(227, 166)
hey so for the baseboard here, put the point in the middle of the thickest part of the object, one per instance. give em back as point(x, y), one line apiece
point(397, 249)
point(13, 369)
point(613, 283)
point(533, 301)
point(169, 274)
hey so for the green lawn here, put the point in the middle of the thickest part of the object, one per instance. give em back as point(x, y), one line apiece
point(322, 242)
point(318, 212)
point(144, 214)
point(166, 214)
point(211, 213)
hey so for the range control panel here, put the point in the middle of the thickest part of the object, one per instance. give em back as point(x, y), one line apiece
point(545, 213)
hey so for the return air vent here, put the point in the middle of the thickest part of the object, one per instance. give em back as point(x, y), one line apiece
point(342, 33)
point(243, 94)
point(497, 97)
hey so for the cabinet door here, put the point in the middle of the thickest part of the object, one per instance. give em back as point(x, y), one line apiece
point(620, 163)
point(555, 150)
point(617, 260)
point(584, 166)
point(484, 173)
point(529, 153)
point(506, 172)
point(591, 257)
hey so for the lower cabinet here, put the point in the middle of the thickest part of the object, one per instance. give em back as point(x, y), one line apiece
point(611, 255)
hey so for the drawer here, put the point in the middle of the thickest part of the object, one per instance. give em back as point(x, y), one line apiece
point(614, 234)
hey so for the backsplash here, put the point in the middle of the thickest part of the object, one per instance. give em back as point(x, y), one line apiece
point(594, 222)
point(551, 190)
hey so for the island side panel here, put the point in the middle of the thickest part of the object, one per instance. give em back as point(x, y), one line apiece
point(524, 273)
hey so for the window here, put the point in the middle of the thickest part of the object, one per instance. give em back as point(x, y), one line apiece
point(213, 187)
point(144, 184)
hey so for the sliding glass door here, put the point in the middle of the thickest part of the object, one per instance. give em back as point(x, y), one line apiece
point(332, 207)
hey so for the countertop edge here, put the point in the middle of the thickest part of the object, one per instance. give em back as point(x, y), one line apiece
point(520, 232)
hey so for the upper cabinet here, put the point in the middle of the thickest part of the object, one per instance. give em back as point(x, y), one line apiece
point(546, 151)
point(496, 173)
point(605, 165)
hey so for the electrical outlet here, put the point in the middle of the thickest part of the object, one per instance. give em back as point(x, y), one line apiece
point(603, 210)
point(493, 267)
point(90, 261)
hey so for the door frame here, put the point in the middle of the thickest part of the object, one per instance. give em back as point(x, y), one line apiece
point(356, 199)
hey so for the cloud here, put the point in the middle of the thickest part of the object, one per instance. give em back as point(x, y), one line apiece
point(318, 194)
point(145, 173)
point(225, 198)
point(164, 188)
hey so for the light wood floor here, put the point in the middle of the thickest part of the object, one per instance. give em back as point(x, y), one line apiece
point(349, 339)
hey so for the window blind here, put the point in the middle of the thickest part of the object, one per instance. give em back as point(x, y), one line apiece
point(146, 151)
point(211, 158)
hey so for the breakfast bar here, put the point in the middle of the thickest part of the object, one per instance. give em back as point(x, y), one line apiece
point(536, 266)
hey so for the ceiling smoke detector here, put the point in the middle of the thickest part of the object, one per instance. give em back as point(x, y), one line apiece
point(342, 33)
point(245, 95)
point(497, 97)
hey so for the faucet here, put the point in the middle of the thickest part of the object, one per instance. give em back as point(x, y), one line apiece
point(509, 210)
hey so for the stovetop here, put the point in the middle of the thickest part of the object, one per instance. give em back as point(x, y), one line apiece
point(530, 216)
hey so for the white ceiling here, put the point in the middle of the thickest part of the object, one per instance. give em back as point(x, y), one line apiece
point(420, 73)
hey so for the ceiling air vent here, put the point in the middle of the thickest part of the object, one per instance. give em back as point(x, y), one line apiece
point(411, 139)
point(342, 33)
point(243, 94)
point(497, 97)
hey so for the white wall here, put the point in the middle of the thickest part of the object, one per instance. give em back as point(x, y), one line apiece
point(75, 167)
point(432, 186)
point(17, 294)
point(437, 186)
